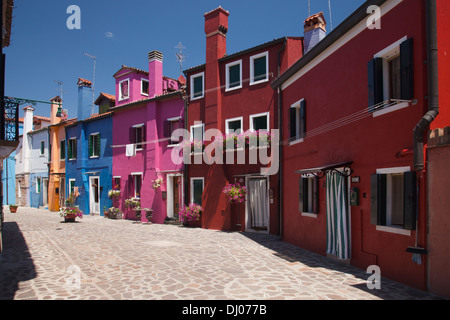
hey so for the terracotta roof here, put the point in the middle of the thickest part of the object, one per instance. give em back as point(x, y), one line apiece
point(158, 97)
point(132, 69)
point(105, 95)
point(84, 81)
point(98, 115)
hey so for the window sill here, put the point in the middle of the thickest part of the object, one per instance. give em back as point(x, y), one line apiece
point(197, 98)
point(394, 230)
point(126, 98)
point(259, 81)
point(295, 142)
point(173, 145)
point(310, 215)
point(233, 88)
point(94, 157)
point(72, 159)
point(396, 107)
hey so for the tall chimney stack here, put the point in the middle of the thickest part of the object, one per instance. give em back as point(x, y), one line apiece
point(155, 73)
point(84, 98)
point(315, 30)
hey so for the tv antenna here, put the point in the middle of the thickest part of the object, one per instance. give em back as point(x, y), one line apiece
point(60, 84)
point(180, 56)
point(331, 20)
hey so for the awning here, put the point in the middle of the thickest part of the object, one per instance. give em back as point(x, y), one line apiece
point(320, 171)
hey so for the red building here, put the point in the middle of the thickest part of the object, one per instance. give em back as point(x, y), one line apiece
point(354, 177)
point(233, 93)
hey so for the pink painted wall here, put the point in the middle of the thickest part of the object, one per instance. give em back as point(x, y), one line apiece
point(155, 157)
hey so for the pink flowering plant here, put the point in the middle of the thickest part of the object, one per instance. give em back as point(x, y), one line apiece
point(245, 139)
point(132, 203)
point(235, 192)
point(190, 213)
point(71, 208)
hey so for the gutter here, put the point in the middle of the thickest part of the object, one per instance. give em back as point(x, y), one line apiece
point(433, 88)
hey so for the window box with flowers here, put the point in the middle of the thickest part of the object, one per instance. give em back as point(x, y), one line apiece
point(190, 213)
point(248, 139)
point(113, 213)
point(134, 204)
point(114, 193)
point(235, 192)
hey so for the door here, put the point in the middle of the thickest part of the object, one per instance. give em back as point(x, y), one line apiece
point(258, 204)
point(174, 195)
point(45, 192)
point(94, 195)
point(62, 192)
point(338, 220)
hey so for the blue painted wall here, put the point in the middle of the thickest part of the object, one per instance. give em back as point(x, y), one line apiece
point(37, 199)
point(84, 167)
point(9, 175)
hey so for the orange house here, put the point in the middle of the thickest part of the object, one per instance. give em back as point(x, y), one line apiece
point(57, 168)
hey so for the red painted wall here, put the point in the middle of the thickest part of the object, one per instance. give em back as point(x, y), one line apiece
point(335, 88)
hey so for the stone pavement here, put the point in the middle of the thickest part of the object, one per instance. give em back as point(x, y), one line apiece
point(98, 258)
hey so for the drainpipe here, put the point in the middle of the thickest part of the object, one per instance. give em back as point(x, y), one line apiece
point(433, 88)
point(186, 167)
point(280, 147)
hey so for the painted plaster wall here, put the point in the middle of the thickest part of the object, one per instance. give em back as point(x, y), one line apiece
point(38, 166)
point(337, 87)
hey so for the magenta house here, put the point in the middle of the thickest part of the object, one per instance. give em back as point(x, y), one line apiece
point(148, 108)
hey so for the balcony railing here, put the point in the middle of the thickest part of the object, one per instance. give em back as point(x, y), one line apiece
point(10, 123)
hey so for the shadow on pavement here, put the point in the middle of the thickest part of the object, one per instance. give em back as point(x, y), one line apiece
point(16, 264)
point(390, 290)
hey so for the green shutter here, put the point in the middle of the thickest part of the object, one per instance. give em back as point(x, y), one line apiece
point(97, 147)
point(90, 147)
point(410, 196)
point(62, 149)
point(69, 149)
point(74, 148)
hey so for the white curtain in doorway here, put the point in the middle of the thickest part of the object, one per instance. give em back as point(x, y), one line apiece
point(259, 211)
point(338, 234)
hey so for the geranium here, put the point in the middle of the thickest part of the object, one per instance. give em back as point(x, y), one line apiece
point(190, 213)
point(157, 183)
point(114, 193)
point(71, 210)
point(235, 192)
point(132, 203)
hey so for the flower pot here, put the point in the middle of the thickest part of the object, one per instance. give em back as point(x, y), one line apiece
point(70, 217)
point(13, 209)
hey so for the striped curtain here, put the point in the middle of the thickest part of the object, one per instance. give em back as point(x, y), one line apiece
point(259, 212)
point(338, 233)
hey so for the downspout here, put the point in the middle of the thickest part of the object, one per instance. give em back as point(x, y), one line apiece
point(280, 148)
point(433, 88)
point(186, 167)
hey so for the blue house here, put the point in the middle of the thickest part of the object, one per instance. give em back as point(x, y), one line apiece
point(9, 174)
point(88, 154)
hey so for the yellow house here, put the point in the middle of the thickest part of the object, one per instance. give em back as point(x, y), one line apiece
point(57, 137)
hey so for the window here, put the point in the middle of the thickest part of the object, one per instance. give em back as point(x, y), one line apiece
point(297, 120)
point(62, 149)
point(170, 125)
point(309, 194)
point(391, 76)
point(259, 122)
point(137, 181)
point(71, 186)
point(197, 132)
point(197, 185)
point(72, 149)
point(94, 145)
point(124, 89)
point(137, 136)
point(259, 66)
point(233, 75)
point(38, 185)
point(393, 194)
point(234, 125)
point(197, 86)
point(144, 87)
point(116, 182)
point(42, 150)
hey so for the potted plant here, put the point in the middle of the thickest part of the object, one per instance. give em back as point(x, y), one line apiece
point(190, 213)
point(114, 193)
point(113, 213)
point(235, 192)
point(157, 183)
point(71, 211)
point(13, 207)
point(148, 213)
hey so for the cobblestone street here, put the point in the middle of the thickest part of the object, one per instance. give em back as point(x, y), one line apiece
point(44, 257)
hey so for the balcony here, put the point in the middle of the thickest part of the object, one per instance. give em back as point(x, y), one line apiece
point(9, 127)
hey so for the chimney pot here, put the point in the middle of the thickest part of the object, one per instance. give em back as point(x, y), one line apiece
point(155, 55)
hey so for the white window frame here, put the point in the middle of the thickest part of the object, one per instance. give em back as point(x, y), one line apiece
point(193, 77)
point(134, 174)
point(252, 68)
point(387, 54)
point(138, 144)
point(227, 75)
point(199, 125)
point(142, 92)
point(192, 187)
point(70, 181)
point(259, 115)
point(120, 89)
point(227, 121)
point(392, 229)
point(297, 105)
point(93, 147)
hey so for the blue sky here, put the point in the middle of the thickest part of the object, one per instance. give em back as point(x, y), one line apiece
point(43, 50)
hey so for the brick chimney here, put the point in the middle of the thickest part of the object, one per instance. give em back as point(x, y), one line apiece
point(27, 127)
point(84, 98)
point(216, 28)
point(315, 30)
point(155, 73)
point(54, 109)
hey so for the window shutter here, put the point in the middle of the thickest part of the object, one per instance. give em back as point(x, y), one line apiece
point(97, 147)
point(74, 151)
point(91, 141)
point(69, 149)
point(315, 195)
point(407, 69)
point(378, 199)
point(144, 136)
point(302, 118)
point(375, 78)
point(130, 187)
point(292, 122)
point(301, 192)
point(167, 132)
point(62, 149)
point(132, 135)
point(410, 194)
